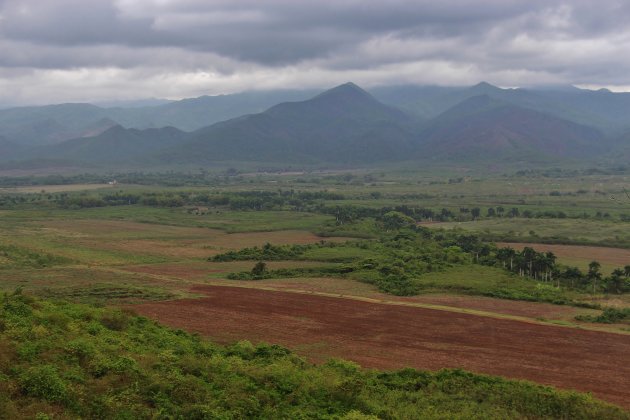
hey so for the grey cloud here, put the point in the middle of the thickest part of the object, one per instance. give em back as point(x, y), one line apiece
point(270, 32)
point(229, 43)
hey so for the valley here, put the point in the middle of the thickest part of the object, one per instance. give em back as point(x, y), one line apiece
point(183, 255)
point(323, 228)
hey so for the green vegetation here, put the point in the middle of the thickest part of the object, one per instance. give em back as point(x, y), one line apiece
point(151, 241)
point(70, 360)
point(608, 316)
point(13, 257)
point(404, 255)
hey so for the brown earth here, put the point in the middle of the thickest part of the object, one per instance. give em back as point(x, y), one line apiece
point(391, 336)
point(352, 288)
point(168, 241)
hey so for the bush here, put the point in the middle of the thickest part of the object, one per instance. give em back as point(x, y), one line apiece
point(44, 382)
point(608, 316)
point(115, 320)
point(399, 285)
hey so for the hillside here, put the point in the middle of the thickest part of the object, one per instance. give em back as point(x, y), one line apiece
point(116, 145)
point(344, 124)
point(77, 361)
point(604, 110)
point(8, 149)
point(50, 124)
point(195, 113)
point(483, 128)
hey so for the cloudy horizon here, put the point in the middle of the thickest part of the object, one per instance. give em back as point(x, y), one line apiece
point(104, 50)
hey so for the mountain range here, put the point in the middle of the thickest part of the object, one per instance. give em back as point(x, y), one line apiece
point(343, 125)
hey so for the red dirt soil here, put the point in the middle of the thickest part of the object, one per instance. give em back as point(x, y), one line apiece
point(390, 336)
point(349, 288)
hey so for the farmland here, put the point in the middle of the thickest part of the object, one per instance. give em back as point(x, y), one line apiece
point(391, 336)
point(386, 269)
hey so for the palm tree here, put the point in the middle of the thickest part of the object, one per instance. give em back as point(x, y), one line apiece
point(550, 258)
point(615, 281)
point(572, 273)
point(529, 254)
point(506, 254)
point(594, 274)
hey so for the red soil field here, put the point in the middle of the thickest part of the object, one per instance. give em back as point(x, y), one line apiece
point(390, 336)
point(352, 288)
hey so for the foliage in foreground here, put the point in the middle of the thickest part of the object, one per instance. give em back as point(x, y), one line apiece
point(69, 360)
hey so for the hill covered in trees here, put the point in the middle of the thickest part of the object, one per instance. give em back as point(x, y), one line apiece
point(344, 125)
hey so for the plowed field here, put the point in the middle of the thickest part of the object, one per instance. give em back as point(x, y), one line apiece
point(391, 336)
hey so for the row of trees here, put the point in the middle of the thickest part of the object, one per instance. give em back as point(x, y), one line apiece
point(312, 201)
point(543, 266)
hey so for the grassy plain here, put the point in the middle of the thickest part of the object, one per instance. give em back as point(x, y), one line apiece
point(124, 237)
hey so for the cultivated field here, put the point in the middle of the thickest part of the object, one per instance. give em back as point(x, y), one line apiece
point(393, 336)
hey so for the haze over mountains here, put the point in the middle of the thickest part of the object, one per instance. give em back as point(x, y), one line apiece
point(344, 125)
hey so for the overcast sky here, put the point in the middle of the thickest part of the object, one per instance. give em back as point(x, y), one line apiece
point(89, 50)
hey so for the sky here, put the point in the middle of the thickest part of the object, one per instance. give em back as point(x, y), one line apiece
point(54, 51)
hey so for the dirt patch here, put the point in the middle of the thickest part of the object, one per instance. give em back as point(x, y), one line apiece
point(499, 306)
point(349, 288)
point(390, 336)
point(174, 242)
point(98, 227)
point(280, 237)
point(181, 249)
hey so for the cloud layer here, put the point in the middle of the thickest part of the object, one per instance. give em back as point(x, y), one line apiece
point(77, 50)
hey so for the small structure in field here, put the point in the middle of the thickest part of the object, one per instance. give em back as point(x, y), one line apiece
point(199, 211)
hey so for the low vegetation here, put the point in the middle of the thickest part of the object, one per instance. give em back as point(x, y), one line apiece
point(404, 254)
point(69, 360)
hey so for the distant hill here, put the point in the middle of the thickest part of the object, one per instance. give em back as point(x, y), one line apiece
point(620, 150)
point(344, 124)
point(40, 125)
point(192, 114)
point(604, 110)
point(49, 124)
point(8, 149)
point(116, 145)
point(483, 128)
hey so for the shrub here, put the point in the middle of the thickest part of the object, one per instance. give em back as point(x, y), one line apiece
point(44, 382)
point(115, 320)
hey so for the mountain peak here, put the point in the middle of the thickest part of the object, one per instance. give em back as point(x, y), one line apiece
point(472, 105)
point(346, 90)
point(115, 129)
point(484, 87)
